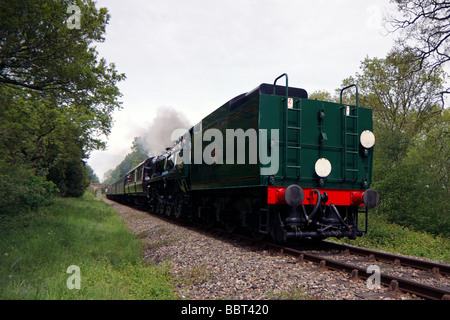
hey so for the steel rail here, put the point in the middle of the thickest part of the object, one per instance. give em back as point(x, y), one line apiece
point(395, 283)
point(435, 267)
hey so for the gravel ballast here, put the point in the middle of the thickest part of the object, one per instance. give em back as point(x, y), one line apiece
point(208, 267)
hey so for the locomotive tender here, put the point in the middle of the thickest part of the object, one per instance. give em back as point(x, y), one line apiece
point(270, 161)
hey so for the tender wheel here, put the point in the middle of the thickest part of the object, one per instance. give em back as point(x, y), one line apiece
point(230, 226)
point(258, 236)
point(277, 229)
point(169, 210)
point(210, 220)
point(178, 207)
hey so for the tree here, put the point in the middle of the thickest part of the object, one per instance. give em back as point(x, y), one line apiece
point(425, 26)
point(412, 152)
point(21, 190)
point(71, 178)
point(39, 52)
point(131, 160)
point(322, 95)
point(416, 190)
point(92, 177)
point(402, 100)
point(57, 96)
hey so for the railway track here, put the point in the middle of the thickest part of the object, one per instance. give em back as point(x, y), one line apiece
point(431, 266)
point(325, 259)
point(394, 282)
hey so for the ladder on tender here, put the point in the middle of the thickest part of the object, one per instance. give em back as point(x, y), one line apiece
point(292, 113)
point(350, 144)
point(293, 130)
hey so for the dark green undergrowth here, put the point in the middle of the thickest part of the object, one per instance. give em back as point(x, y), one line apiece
point(37, 248)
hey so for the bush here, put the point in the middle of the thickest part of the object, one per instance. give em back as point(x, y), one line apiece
point(387, 236)
point(71, 178)
point(411, 174)
point(21, 190)
point(412, 199)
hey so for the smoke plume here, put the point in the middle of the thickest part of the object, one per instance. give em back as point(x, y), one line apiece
point(158, 135)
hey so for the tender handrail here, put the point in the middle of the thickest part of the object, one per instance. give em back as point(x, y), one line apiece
point(347, 87)
point(287, 85)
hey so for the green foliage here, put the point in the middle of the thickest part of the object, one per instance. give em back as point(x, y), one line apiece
point(22, 190)
point(92, 177)
point(412, 154)
point(137, 155)
point(40, 52)
point(402, 98)
point(391, 237)
point(417, 188)
point(58, 66)
point(38, 247)
point(322, 96)
point(71, 178)
point(412, 150)
point(57, 96)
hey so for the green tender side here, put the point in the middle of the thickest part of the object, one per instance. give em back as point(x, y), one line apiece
point(212, 176)
point(308, 131)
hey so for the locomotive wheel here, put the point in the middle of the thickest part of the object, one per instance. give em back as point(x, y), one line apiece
point(230, 226)
point(229, 220)
point(160, 208)
point(168, 209)
point(210, 220)
point(258, 236)
point(151, 206)
point(178, 207)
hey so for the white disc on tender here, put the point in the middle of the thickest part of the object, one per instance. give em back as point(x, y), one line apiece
point(367, 139)
point(323, 167)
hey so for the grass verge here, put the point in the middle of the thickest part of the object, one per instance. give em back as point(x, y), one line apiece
point(391, 237)
point(36, 250)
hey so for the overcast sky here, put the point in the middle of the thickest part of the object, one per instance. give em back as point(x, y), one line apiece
point(194, 55)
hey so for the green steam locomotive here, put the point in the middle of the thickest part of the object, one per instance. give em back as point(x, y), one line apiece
point(271, 162)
